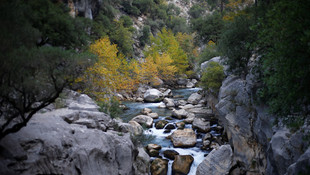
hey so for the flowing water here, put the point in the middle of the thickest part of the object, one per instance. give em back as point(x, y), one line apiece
point(160, 136)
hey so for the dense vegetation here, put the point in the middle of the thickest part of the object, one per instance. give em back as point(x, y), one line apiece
point(275, 35)
point(44, 50)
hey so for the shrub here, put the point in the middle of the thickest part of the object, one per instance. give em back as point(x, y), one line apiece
point(212, 77)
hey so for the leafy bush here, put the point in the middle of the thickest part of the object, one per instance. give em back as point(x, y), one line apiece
point(209, 52)
point(212, 77)
point(196, 11)
point(111, 107)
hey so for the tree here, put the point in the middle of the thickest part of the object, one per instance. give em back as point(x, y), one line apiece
point(165, 42)
point(235, 43)
point(284, 38)
point(31, 77)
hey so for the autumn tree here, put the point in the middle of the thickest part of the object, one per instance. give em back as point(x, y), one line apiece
point(165, 43)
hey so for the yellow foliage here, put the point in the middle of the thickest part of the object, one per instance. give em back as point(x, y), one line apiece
point(164, 66)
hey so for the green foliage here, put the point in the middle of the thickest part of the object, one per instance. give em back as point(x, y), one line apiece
point(177, 24)
point(111, 107)
point(209, 52)
point(122, 36)
point(196, 11)
point(126, 20)
point(235, 43)
point(145, 37)
point(212, 77)
point(208, 27)
point(56, 26)
point(284, 37)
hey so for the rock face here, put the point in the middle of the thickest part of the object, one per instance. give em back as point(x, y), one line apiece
point(143, 120)
point(258, 146)
point(153, 95)
point(72, 141)
point(184, 138)
point(182, 164)
point(218, 162)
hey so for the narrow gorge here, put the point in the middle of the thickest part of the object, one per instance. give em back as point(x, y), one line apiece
point(154, 87)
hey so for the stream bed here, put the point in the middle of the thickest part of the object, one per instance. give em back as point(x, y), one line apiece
point(160, 136)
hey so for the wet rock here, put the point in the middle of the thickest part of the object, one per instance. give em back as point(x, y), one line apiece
point(189, 118)
point(180, 125)
point(206, 143)
point(146, 111)
point(143, 120)
point(170, 126)
point(159, 167)
point(201, 125)
point(170, 154)
point(179, 114)
point(184, 138)
point(169, 102)
point(207, 136)
point(153, 115)
point(153, 95)
point(137, 128)
point(194, 98)
point(218, 162)
point(160, 124)
point(142, 162)
point(153, 153)
point(194, 81)
point(182, 164)
point(167, 130)
point(153, 146)
point(168, 118)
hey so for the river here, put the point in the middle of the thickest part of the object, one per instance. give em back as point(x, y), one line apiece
point(160, 136)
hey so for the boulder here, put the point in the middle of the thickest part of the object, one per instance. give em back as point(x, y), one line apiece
point(181, 103)
point(167, 93)
point(137, 129)
point(139, 99)
point(162, 105)
point(182, 81)
point(159, 167)
point(160, 124)
point(179, 114)
point(142, 162)
point(189, 118)
point(144, 120)
point(146, 111)
point(194, 81)
point(157, 82)
point(194, 98)
point(201, 125)
point(81, 102)
point(190, 84)
point(153, 115)
point(184, 138)
point(153, 153)
point(217, 162)
point(153, 146)
point(170, 154)
point(169, 102)
point(153, 95)
point(170, 126)
point(51, 145)
point(201, 111)
point(182, 164)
